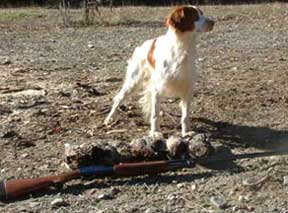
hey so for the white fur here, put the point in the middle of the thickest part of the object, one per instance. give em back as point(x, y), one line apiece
point(174, 74)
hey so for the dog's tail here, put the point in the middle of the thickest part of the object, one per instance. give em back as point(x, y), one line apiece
point(145, 102)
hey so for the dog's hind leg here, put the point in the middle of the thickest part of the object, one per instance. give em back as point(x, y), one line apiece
point(131, 83)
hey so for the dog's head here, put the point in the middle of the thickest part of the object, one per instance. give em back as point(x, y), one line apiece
point(189, 19)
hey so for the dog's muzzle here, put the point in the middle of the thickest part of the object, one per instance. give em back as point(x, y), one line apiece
point(210, 24)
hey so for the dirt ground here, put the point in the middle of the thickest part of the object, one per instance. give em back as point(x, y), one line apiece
point(56, 87)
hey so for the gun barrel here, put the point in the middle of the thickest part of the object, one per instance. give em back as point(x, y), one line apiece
point(10, 189)
point(132, 169)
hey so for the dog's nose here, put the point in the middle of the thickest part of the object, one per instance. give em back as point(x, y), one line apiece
point(210, 23)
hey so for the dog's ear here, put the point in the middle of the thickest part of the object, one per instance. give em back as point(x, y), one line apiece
point(182, 18)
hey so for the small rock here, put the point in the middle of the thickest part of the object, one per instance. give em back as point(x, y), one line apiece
point(33, 204)
point(114, 191)
point(150, 210)
point(90, 133)
point(104, 196)
point(6, 62)
point(194, 187)
point(244, 198)
point(180, 185)
point(241, 198)
point(44, 167)
point(201, 59)
point(22, 209)
point(250, 208)
point(90, 45)
point(101, 196)
point(285, 180)
point(4, 110)
point(58, 202)
point(24, 155)
point(66, 92)
point(99, 211)
point(231, 192)
point(20, 70)
point(171, 197)
point(218, 201)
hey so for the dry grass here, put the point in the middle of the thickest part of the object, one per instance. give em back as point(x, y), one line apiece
point(138, 15)
point(21, 14)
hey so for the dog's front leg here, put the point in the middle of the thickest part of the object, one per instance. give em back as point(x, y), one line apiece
point(154, 117)
point(185, 107)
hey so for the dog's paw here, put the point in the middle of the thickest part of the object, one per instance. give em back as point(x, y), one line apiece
point(188, 134)
point(107, 121)
point(155, 135)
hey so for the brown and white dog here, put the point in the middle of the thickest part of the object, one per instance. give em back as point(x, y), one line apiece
point(165, 66)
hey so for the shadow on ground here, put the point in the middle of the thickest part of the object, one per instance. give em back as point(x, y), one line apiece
point(242, 136)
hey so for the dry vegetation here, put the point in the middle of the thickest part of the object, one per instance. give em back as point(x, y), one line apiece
point(56, 86)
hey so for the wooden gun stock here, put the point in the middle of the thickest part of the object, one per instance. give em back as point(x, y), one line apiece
point(14, 188)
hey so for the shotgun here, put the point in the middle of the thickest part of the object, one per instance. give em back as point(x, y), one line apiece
point(12, 189)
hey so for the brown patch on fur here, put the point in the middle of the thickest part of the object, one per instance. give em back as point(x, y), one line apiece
point(182, 18)
point(150, 56)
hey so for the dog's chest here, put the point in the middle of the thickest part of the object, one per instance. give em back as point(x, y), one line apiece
point(178, 73)
point(180, 65)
